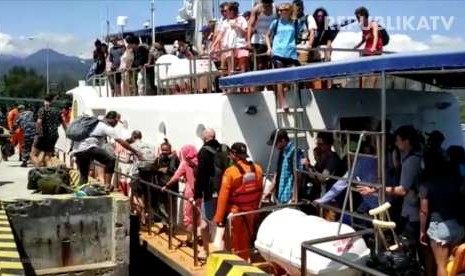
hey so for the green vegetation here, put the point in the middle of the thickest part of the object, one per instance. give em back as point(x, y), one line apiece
point(20, 82)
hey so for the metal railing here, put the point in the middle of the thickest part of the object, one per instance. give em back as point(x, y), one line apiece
point(148, 207)
point(147, 204)
point(310, 246)
point(194, 82)
point(231, 216)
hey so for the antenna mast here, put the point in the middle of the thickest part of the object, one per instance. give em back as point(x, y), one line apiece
point(108, 22)
point(153, 20)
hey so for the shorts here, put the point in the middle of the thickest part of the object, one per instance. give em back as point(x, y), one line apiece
point(259, 48)
point(114, 78)
point(46, 143)
point(262, 59)
point(280, 62)
point(238, 53)
point(85, 158)
point(445, 232)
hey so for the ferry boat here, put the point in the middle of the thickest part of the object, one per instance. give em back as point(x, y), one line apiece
point(414, 90)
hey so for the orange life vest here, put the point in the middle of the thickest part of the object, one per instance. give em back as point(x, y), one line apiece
point(248, 195)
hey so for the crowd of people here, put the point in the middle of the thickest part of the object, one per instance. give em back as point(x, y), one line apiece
point(35, 132)
point(424, 184)
point(216, 179)
point(268, 36)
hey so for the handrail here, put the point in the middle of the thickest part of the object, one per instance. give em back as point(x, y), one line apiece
point(228, 225)
point(193, 78)
point(191, 201)
point(310, 246)
point(149, 184)
point(333, 131)
point(346, 50)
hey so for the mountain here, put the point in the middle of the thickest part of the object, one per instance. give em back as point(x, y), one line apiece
point(60, 66)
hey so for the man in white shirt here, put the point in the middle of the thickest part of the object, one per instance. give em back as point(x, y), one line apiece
point(90, 149)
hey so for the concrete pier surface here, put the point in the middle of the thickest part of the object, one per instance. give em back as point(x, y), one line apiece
point(62, 234)
point(13, 180)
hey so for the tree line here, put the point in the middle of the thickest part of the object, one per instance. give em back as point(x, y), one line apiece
point(22, 82)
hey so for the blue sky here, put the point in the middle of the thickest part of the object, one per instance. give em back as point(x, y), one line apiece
point(85, 19)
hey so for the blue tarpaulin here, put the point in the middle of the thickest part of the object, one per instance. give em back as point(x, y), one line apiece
point(389, 63)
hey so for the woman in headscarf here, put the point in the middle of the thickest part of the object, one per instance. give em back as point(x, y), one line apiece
point(186, 169)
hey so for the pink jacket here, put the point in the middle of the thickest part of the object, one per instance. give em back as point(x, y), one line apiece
point(188, 157)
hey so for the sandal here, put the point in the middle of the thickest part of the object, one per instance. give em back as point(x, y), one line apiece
point(202, 255)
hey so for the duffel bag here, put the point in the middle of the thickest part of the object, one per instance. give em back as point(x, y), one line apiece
point(36, 174)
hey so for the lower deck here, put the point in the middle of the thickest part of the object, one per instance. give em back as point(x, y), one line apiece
point(180, 257)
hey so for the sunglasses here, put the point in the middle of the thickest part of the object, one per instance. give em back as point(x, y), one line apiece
point(283, 9)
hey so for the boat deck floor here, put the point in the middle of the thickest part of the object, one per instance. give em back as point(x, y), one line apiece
point(180, 257)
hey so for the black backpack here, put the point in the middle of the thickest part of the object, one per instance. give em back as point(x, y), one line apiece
point(220, 163)
point(384, 35)
point(81, 128)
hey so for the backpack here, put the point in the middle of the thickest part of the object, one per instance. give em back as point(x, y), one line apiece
point(81, 128)
point(148, 153)
point(220, 163)
point(383, 35)
point(8, 149)
point(274, 30)
point(35, 175)
point(50, 180)
point(399, 262)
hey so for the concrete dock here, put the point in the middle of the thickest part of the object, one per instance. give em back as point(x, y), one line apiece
point(60, 234)
point(13, 180)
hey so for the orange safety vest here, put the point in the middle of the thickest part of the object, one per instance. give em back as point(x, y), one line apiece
point(248, 195)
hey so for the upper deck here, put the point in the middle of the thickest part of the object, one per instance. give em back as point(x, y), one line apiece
point(441, 69)
point(431, 71)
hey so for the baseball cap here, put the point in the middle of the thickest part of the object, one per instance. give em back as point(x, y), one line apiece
point(281, 134)
point(205, 28)
point(239, 149)
point(21, 107)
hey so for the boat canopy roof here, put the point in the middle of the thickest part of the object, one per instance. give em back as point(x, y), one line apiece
point(180, 27)
point(441, 69)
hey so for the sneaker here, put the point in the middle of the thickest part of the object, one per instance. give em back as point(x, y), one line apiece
point(23, 164)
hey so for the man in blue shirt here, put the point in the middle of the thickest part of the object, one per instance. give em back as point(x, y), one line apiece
point(285, 177)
